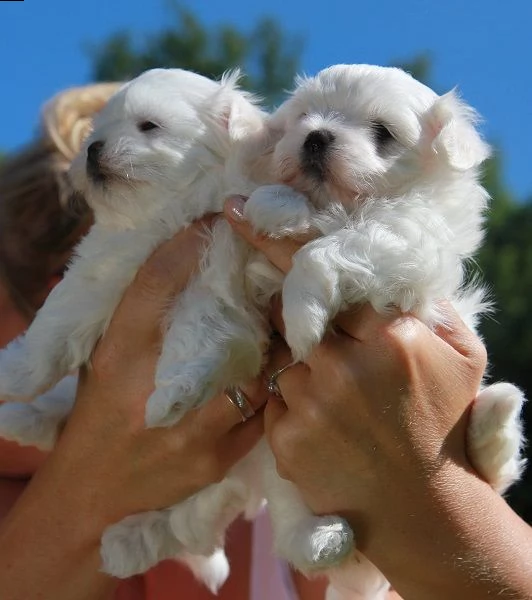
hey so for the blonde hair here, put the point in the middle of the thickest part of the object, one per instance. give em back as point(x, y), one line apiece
point(37, 227)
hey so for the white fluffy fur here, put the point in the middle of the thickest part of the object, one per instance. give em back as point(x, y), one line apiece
point(397, 218)
point(388, 173)
point(151, 182)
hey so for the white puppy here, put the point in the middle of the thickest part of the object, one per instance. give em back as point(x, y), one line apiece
point(388, 173)
point(167, 149)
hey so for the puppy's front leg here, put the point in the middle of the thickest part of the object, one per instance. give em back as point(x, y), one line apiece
point(58, 341)
point(365, 261)
point(215, 338)
point(311, 296)
point(208, 346)
point(75, 314)
point(278, 210)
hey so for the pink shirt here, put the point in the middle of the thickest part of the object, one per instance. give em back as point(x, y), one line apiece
point(270, 578)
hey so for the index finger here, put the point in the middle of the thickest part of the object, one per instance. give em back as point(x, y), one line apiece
point(279, 251)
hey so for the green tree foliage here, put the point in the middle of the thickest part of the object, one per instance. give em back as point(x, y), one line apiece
point(267, 55)
point(419, 67)
point(505, 261)
point(270, 60)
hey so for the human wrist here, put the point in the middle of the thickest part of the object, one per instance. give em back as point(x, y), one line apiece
point(439, 543)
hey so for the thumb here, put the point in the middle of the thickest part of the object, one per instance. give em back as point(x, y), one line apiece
point(279, 251)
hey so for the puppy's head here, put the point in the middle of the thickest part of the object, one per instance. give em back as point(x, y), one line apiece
point(161, 133)
point(358, 131)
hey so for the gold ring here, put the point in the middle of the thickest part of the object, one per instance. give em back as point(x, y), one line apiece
point(239, 400)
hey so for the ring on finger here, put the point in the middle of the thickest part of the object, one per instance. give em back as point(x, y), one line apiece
point(271, 385)
point(240, 401)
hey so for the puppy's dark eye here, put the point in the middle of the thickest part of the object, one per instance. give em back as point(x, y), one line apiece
point(382, 134)
point(147, 126)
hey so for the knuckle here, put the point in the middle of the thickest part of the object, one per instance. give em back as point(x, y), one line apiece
point(478, 355)
point(283, 469)
point(285, 444)
point(314, 414)
point(339, 365)
point(400, 337)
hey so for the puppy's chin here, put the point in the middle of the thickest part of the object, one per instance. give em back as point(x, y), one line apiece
point(113, 181)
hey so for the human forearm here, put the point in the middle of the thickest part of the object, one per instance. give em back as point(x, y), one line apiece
point(49, 543)
point(459, 540)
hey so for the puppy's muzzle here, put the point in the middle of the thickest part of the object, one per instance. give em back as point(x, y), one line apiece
point(315, 152)
point(94, 161)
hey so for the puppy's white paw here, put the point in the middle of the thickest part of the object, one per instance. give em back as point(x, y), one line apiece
point(137, 543)
point(305, 325)
point(28, 426)
point(312, 295)
point(200, 522)
point(212, 570)
point(278, 210)
point(38, 423)
point(495, 438)
point(167, 405)
point(178, 390)
point(317, 543)
point(161, 409)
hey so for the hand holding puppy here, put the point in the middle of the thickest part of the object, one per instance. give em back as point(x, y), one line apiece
point(106, 464)
point(386, 401)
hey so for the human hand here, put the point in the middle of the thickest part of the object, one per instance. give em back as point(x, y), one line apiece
point(119, 466)
point(383, 399)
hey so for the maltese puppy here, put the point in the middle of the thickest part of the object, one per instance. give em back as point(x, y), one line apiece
point(166, 150)
point(387, 172)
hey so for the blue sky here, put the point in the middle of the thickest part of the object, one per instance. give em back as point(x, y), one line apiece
point(482, 46)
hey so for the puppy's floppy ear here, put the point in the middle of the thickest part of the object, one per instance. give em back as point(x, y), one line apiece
point(239, 110)
point(261, 151)
point(449, 129)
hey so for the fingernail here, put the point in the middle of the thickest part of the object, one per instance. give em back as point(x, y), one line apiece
point(236, 204)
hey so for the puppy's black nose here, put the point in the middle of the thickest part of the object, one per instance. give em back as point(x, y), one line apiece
point(315, 150)
point(94, 167)
point(94, 151)
point(317, 142)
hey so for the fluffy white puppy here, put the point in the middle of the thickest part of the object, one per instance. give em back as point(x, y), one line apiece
point(388, 172)
point(167, 149)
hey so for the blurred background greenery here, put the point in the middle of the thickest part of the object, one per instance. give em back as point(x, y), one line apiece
point(270, 59)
